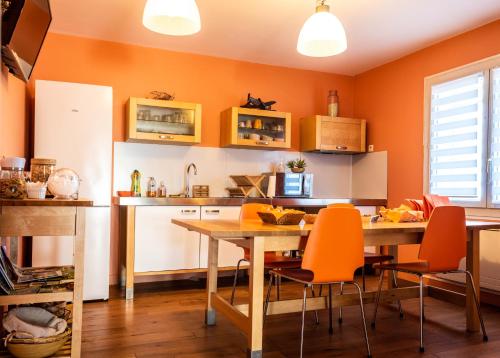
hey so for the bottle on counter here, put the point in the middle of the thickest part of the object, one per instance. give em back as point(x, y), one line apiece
point(162, 190)
point(333, 103)
point(136, 183)
point(151, 192)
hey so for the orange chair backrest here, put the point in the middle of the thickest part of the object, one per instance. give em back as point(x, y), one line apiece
point(445, 239)
point(432, 201)
point(341, 205)
point(335, 248)
point(249, 210)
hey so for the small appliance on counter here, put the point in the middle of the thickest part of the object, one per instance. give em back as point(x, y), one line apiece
point(294, 185)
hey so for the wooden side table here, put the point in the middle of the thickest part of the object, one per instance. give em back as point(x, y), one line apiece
point(50, 217)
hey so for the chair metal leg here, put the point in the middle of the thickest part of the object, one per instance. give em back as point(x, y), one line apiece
point(361, 306)
point(363, 277)
point(421, 294)
point(268, 294)
point(330, 310)
point(340, 308)
point(395, 280)
point(303, 319)
point(315, 312)
point(278, 286)
point(377, 297)
point(478, 308)
point(235, 282)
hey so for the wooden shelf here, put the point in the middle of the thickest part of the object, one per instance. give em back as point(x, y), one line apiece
point(66, 296)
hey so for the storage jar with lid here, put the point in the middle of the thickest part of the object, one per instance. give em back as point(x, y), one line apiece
point(12, 182)
point(41, 169)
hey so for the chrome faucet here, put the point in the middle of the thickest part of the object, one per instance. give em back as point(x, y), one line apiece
point(187, 189)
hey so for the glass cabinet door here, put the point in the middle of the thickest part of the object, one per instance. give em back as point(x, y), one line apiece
point(164, 121)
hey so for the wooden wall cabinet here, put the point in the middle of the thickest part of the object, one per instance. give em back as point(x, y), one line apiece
point(255, 129)
point(332, 134)
point(163, 122)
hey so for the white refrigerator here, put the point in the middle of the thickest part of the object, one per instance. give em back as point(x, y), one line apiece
point(73, 124)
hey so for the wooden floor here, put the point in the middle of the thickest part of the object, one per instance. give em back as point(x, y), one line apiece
point(167, 321)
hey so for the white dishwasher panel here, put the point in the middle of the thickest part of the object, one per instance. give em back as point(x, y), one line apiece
point(229, 254)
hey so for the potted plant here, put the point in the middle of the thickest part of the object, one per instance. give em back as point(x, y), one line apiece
point(297, 165)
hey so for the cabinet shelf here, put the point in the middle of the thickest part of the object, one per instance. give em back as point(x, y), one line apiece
point(163, 122)
point(273, 129)
point(66, 296)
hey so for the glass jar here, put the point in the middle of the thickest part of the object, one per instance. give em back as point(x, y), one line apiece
point(41, 169)
point(12, 182)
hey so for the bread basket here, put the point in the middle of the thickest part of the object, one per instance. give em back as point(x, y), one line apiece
point(288, 218)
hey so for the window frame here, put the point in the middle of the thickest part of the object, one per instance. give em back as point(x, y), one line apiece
point(485, 66)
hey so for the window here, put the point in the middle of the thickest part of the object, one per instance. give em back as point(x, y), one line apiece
point(462, 134)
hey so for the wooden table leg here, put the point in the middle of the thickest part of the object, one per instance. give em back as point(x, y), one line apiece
point(213, 258)
point(256, 302)
point(130, 253)
point(76, 329)
point(473, 268)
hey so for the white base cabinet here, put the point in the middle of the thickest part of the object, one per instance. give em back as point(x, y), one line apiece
point(229, 254)
point(161, 245)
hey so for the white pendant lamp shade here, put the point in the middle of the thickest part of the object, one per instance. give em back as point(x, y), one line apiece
point(322, 34)
point(172, 17)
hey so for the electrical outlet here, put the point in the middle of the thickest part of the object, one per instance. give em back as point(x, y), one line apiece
point(371, 147)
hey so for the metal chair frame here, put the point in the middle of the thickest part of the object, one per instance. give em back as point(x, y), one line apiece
point(421, 298)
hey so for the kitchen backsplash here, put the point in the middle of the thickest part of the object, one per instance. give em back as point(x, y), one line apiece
point(332, 173)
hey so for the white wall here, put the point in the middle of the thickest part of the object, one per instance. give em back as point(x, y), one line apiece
point(332, 173)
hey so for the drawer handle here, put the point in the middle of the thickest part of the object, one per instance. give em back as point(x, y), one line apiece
point(214, 212)
point(162, 136)
point(185, 211)
point(262, 142)
point(341, 147)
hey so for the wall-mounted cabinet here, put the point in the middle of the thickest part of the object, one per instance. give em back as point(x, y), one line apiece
point(332, 134)
point(164, 122)
point(255, 129)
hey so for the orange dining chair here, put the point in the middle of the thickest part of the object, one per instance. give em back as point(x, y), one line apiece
point(333, 252)
point(442, 248)
point(271, 259)
point(369, 259)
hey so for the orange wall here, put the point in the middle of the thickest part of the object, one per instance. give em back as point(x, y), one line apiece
point(392, 98)
point(13, 128)
point(214, 82)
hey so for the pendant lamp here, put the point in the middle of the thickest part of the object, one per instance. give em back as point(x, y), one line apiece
point(322, 34)
point(172, 17)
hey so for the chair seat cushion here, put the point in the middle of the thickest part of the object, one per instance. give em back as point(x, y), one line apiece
point(411, 267)
point(273, 260)
point(299, 275)
point(418, 268)
point(373, 258)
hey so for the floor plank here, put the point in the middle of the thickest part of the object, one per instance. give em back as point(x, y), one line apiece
point(166, 320)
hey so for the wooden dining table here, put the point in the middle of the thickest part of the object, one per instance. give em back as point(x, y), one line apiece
point(259, 238)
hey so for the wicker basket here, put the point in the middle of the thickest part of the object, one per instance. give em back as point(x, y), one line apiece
point(37, 347)
point(310, 218)
point(286, 219)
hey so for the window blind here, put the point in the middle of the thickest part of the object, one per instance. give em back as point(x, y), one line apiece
point(456, 138)
point(495, 135)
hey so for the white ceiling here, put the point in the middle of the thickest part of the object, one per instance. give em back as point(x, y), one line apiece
point(266, 31)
